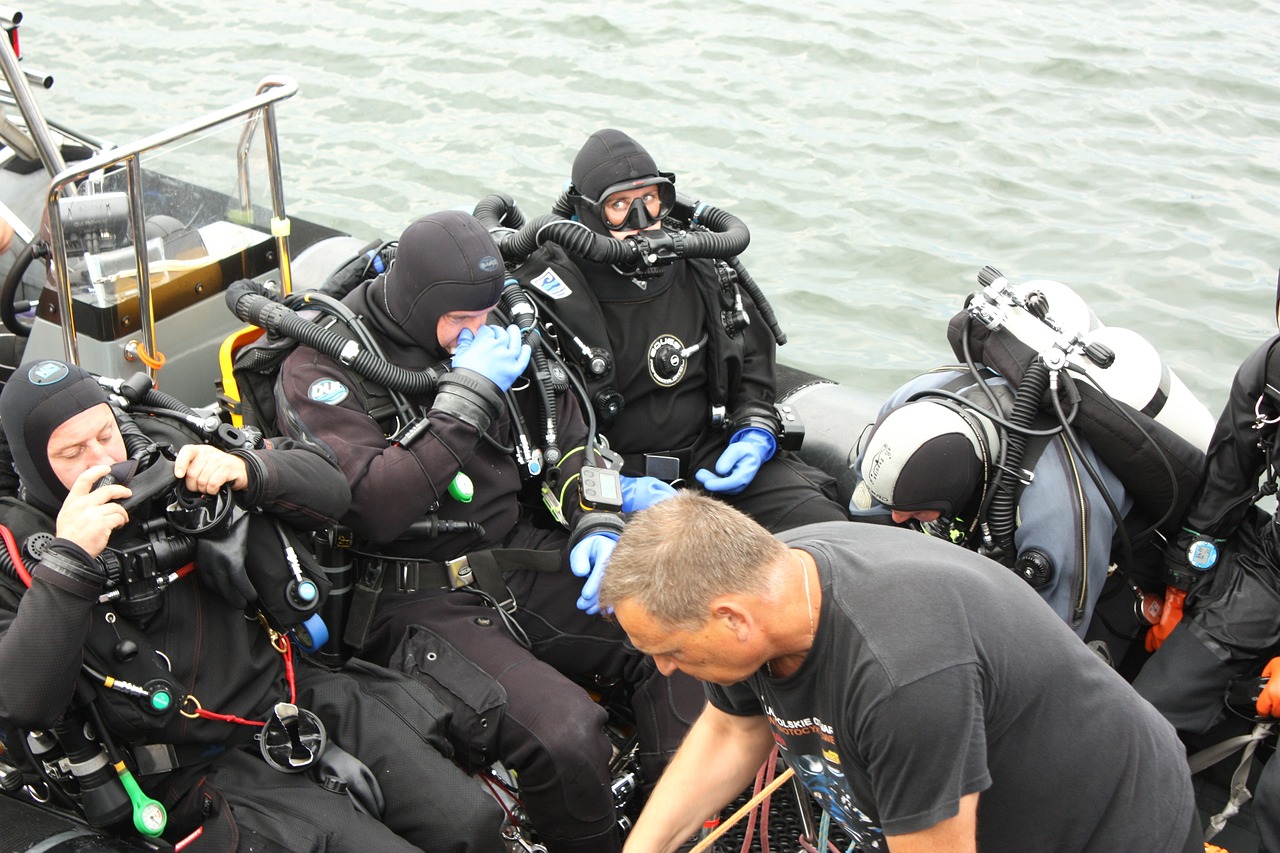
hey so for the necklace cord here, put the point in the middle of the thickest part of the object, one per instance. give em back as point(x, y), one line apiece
point(808, 599)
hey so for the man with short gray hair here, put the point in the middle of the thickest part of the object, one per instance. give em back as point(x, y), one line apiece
point(903, 679)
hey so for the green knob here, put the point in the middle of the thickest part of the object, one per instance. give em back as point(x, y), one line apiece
point(462, 489)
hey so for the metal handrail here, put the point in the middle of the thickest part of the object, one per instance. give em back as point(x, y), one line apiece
point(40, 143)
point(269, 92)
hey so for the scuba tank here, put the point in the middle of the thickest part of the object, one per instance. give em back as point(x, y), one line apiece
point(1141, 378)
point(1042, 314)
point(1152, 439)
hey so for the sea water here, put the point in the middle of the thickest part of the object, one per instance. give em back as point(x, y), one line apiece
point(881, 153)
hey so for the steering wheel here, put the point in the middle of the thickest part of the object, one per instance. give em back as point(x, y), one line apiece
point(9, 290)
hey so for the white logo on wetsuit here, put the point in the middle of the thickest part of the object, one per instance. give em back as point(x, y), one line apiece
point(667, 363)
point(551, 284)
point(331, 392)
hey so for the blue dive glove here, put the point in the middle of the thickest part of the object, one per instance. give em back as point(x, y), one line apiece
point(643, 492)
point(587, 560)
point(495, 353)
point(737, 466)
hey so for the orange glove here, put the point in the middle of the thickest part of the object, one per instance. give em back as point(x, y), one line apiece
point(1269, 698)
point(1170, 616)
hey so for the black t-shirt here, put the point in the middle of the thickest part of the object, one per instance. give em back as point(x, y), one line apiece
point(936, 673)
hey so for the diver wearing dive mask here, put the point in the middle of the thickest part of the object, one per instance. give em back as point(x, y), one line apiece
point(636, 205)
point(682, 368)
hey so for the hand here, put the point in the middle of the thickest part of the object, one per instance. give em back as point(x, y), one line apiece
point(88, 515)
point(1170, 616)
point(206, 469)
point(495, 353)
point(643, 492)
point(587, 560)
point(737, 466)
point(1269, 698)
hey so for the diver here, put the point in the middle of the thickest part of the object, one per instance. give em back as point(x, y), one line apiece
point(145, 624)
point(1221, 622)
point(933, 459)
point(467, 521)
point(683, 364)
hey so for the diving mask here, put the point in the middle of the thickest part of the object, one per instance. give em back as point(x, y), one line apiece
point(637, 204)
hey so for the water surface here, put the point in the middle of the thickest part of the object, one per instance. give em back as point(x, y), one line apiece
point(880, 153)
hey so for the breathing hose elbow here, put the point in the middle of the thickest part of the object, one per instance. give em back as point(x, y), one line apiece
point(250, 304)
point(498, 210)
point(726, 235)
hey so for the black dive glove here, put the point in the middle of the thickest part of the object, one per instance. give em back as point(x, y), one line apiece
point(339, 770)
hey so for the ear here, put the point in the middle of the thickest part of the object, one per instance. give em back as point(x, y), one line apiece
point(733, 616)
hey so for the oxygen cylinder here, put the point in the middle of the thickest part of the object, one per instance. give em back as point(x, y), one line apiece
point(1141, 378)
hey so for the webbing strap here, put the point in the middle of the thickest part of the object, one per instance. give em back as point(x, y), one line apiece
point(1240, 793)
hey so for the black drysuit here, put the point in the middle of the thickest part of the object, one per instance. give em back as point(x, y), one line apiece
point(214, 655)
point(550, 731)
point(668, 410)
point(1231, 619)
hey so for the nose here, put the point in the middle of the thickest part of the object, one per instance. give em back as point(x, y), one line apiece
point(665, 665)
point(900, 517)
point(99, 454)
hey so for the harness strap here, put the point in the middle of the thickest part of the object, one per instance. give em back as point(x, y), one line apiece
point(483, 570)
point(153, 758)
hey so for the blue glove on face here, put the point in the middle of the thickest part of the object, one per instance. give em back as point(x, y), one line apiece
point(587, 560)
point(737, 466)
point(495, 353)
point(643, 492)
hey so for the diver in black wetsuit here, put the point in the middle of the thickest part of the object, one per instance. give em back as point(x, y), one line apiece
point(83, 638)
point(691, 371)
point(515, 695)
point(1221, 620)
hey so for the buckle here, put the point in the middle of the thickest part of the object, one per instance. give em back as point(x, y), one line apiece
point(460, 574)
point(408, 576)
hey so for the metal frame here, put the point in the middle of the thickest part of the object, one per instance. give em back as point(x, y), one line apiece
point(260, 108)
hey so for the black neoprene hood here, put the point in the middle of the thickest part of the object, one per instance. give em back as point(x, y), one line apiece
point(609, 157)
point(38, 398)
point(445, 261)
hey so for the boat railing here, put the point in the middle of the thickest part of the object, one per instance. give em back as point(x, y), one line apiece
point(254, 112)
point(36, 141)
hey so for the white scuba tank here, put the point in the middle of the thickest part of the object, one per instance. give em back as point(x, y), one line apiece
point(1141, 378)
point(1138, 376)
